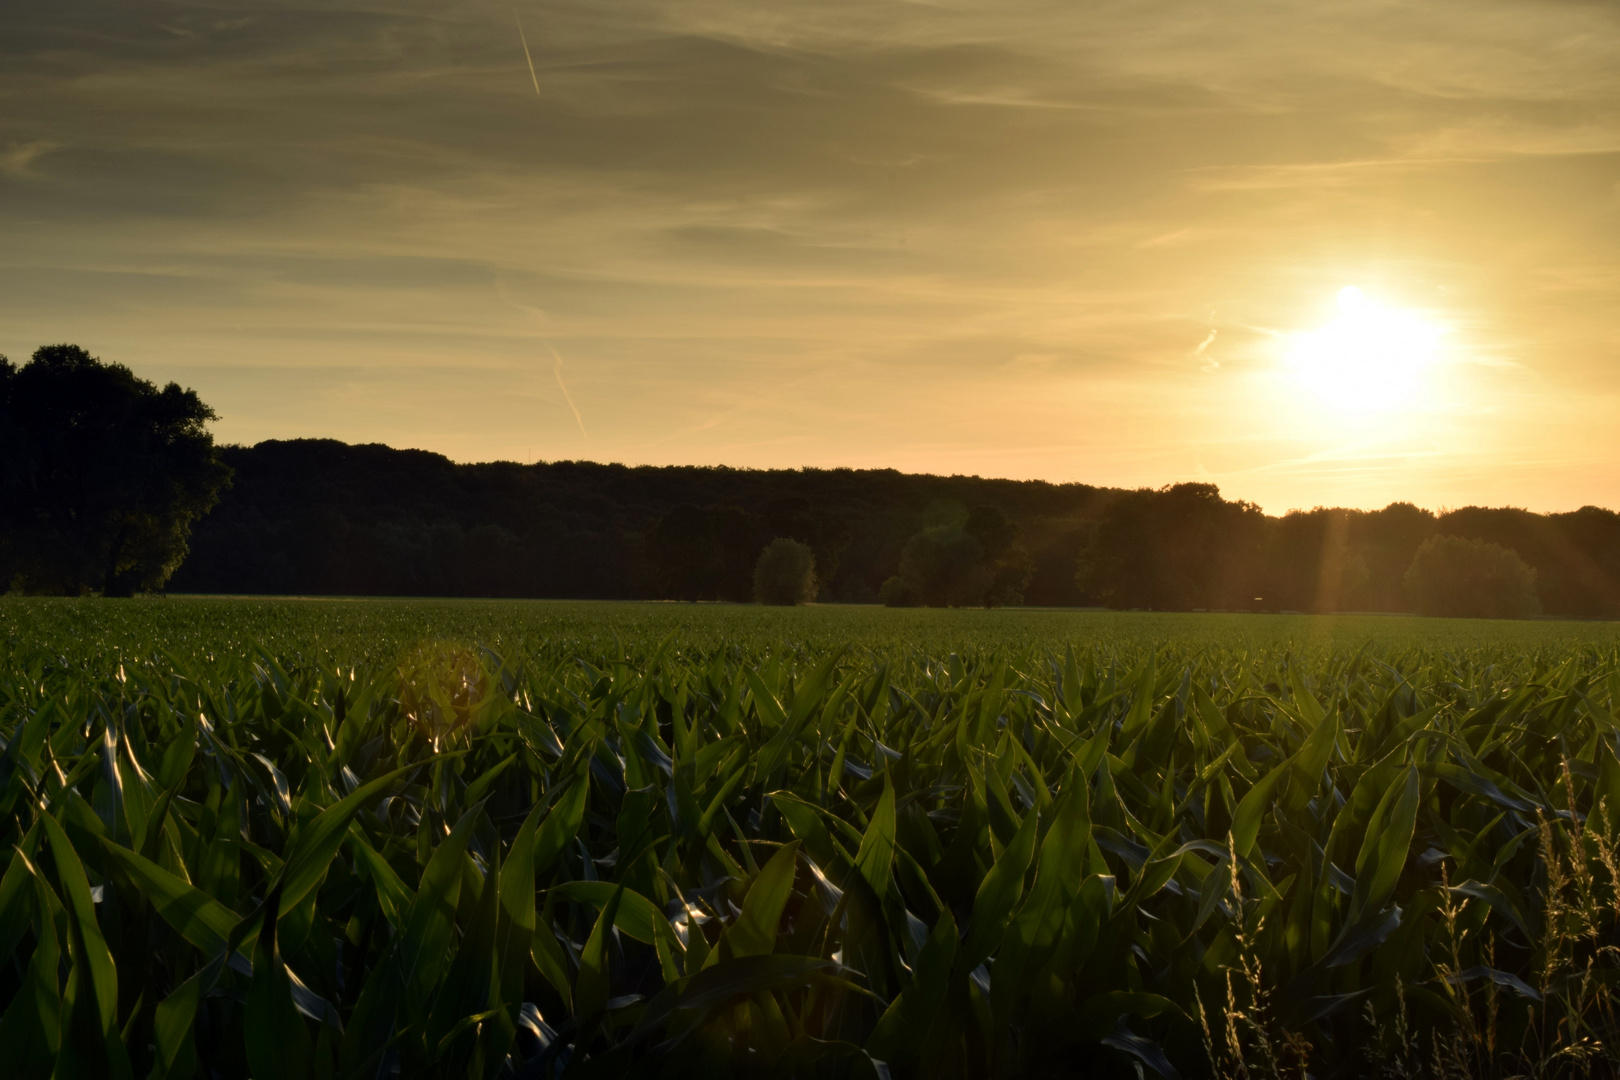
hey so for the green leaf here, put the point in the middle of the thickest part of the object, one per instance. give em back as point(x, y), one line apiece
point(637, 916)
point(747, 975)
point(806, 696)
point(472, 984)
point(905, 1023)
point(1060, 870)
point(479, 787)
point(176, 1015)
point(1383, 852)
point(561, 824)
point(514, 937)
point(1099, 1012)
point(276, 1037)
point(549, 958)
point(17, 896)
point(997, 895)
point(754, 932)
point(193, 914)
point(805, 821)
point(318, 842)
point(1246, 819)
point(103, 972)
point(1312, 759)
point(31, 1030)
point(770, 710)
point(875, 858)
point(517, 893)
point(591, 985)
point(424, 940)
point(1499, 902)
point(394, 897)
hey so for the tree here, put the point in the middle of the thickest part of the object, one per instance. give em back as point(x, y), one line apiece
point(1315, 563)
point(686, 558)
point(785, 573)
point(942, 566)
point(103, 476)
point(1474, 579)
point(1006, 561)
point(1387, 540)
point(898, 592)
point(704, 552)
point(1180, 547)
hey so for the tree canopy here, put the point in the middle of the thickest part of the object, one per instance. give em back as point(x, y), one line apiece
point(785, 574)
point(1474, 579)
point(103, 475)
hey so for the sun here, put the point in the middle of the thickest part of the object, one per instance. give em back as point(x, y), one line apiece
point(1369, 360)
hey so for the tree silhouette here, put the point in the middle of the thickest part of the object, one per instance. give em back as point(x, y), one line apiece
point(1473, 579)
point(103, 475)
point(1180, 547)
point(785, 574)
point(942, 566)
point(1007, 562)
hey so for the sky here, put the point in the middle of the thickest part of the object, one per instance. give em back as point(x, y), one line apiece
point(1315, 252)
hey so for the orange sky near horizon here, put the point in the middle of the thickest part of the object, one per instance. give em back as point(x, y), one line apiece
point(1107, 243)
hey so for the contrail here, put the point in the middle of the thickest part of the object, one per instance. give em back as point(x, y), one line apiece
point(535, 78)
point(557, 371)
point(1210, 363)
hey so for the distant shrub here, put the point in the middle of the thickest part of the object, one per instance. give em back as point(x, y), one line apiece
point(1471, 579)
point(898, 592)
point(785, 574)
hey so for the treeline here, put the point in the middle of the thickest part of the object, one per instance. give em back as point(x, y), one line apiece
point(321, 517)
point(1184, 547)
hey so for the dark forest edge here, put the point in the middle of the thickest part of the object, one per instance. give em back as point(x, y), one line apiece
point(318, 517)
point(108, 484)
point(321, 517)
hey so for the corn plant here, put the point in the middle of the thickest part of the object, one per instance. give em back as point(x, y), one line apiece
point(674, 856)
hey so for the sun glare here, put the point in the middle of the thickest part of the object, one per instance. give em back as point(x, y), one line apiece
point(1370, 359)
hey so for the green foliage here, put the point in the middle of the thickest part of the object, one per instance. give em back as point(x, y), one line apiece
point(898, 592)
point(1471, 579)
point(103, 475)
point(282, 839)
point(1180, 547)
point(941, 566)
point(1007, 562)
point(785, 574)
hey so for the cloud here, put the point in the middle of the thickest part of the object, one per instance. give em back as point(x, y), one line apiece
point(868, 221)
point(18, 157)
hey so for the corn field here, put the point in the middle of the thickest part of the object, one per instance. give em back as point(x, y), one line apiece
point(603, 855)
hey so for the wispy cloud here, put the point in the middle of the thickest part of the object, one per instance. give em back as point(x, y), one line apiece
point(18, 158)
point(871, 222)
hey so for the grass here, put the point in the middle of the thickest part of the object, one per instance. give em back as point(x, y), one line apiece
point(367, 838)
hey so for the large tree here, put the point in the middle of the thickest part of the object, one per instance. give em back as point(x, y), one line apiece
point(942, 566)
point(102, 475)
point(1180, 547)
point(1471, 579)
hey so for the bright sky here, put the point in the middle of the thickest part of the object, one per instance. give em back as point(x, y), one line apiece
point(1317, 252)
